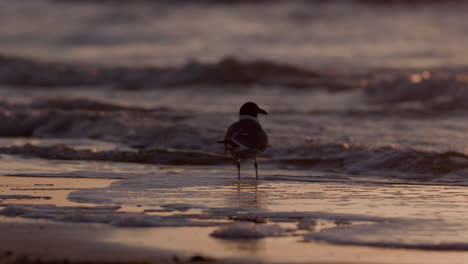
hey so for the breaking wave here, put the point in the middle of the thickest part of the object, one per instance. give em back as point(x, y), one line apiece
point(168, 136)
point(154, 156)
point(406, 165)
point(82, 118)
point(438, 90)
point(228, 71)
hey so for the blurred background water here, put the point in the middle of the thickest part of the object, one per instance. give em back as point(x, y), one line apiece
point(362, 96)
point(334, 34)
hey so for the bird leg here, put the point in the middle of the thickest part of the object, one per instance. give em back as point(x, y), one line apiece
point(238, 169)
point(256, 172)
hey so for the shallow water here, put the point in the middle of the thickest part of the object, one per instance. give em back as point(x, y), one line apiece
point(359, 211)
point(335, 157)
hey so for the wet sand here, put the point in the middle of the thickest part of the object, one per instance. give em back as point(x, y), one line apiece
point(45, 190)
point(44, 241)
point(47, 241)
point(30, 240)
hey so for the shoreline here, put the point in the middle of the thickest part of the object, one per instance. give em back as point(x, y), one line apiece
point(30, 240)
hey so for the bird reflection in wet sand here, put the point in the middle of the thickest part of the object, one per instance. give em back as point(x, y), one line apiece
point(245, 194)
point(245, 139)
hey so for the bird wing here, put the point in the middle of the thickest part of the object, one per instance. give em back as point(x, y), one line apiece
point(247, 134)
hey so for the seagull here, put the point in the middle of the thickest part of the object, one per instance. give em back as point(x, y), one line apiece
point(245, 139)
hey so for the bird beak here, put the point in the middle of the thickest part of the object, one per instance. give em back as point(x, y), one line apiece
point(261, 111)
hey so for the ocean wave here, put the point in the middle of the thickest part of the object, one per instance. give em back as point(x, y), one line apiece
point(439, 90)
point(80, 118)
point(169, 136)
point(406, 165)
point(153, 156)
point(228, 71)
point(28, 72)
point(69, 104)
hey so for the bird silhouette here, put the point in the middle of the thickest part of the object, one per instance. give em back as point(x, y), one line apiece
point(245, 139)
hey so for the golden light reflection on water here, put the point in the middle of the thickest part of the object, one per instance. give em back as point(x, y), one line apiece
point(245, 194)
point(197, 240)
point(416, 201)
point(49, 190)
point(383, 200)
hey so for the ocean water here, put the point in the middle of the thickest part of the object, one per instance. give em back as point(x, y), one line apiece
point(367, 104)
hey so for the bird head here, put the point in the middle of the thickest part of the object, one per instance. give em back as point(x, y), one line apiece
point(251, 109)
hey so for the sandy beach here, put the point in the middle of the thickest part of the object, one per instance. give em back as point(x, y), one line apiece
point(29, 240)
